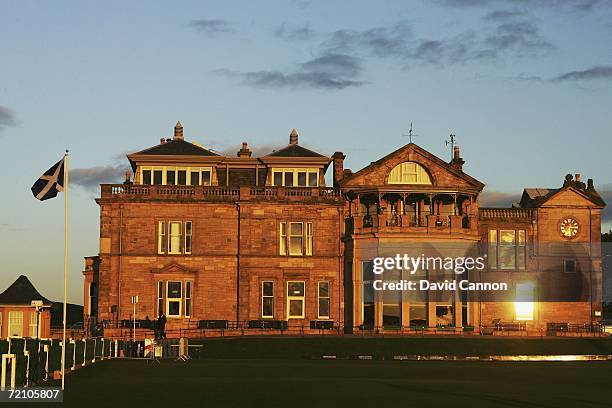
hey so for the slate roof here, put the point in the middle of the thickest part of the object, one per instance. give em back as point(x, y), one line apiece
point(294, 150)
point(22, 292)
point(535, 197)
point(177, 147)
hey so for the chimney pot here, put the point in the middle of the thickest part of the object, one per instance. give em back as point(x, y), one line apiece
point(162, 141)
point(178, 131)
point(244, 151)
point(577, 177)
point(590, 185)
point(338, 159)
point(293, 137)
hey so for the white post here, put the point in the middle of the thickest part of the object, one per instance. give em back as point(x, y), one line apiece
point(84, 351)
point(65, 262)
point(134, 301)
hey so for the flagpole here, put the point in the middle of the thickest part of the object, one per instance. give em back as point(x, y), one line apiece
point(65, 264)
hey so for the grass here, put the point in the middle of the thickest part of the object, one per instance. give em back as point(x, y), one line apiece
point(270, 372)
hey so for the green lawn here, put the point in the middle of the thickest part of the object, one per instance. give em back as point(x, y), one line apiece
point(264, 372)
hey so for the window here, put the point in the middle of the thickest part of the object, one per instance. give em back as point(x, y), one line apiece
point(93, 299)
point(295, 300)
point(569, 265)
point(174, 246)
point(267, 300)
point(392, 300)
point(409, 173)
point(367, 278)
point(297, 241)
point(162, 242)
point(298, 177)
point(146, 177)
point(524, 305)
point(188, 233)
point(33, 324)
point(188, 299)
point(507, 249)
point(15, 327)
point(160, 298)
point(324, 300)
point(174, 292)
point(184, 176)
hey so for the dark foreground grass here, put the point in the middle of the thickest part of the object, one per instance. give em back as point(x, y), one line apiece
point(241, 382)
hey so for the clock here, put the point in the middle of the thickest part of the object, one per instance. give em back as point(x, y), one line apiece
point(569, 228)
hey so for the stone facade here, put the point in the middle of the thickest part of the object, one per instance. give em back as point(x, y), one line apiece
point(259, 226)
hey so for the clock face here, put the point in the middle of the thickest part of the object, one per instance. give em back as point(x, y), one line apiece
point(569, 228)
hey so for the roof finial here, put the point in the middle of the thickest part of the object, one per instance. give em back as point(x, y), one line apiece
point(293, 137)
point(178, 131)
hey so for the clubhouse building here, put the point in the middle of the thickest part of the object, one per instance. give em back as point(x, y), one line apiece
point(245, 242)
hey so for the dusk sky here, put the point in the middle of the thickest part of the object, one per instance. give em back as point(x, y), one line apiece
point(526, 85)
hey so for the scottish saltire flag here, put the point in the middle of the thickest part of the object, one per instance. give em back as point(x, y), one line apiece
point(50, 183)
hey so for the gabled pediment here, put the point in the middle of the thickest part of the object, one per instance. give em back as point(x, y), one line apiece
point(570, 197)
point(173, 268)
point(442, 174)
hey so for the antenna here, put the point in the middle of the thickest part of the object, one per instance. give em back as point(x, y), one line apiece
point(410, 134)
point(451, 141)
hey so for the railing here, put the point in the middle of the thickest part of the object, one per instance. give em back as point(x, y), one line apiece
point(217, 193)
point(525, 213)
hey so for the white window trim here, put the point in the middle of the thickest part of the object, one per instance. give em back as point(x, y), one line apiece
point(162, 227)
point(185, 251)
point(185, 298)
point(165, 169)
point(307, 236)
point(33, 327)
point(169, 233)
point(264, 316)
point(179, 300)
point(302, 298)
point(160, 285)
point(295, 171)
point(328, 297)
point(10, 324)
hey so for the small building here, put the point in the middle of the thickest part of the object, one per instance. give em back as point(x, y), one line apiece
point(24, 312)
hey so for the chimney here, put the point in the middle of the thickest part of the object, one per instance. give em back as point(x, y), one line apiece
point(457, 161)
point(178, 131)
point(293, 137)
point(338, 158)
point(162, 141)
point(244, 151)
point(577, 177)
point(128, 177)
point(590, 185)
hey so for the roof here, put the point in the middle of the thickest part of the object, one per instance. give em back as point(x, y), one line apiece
point(22, 292)
point(535, 197)
point(295, 150)
point(177, 147)
point(540, 192)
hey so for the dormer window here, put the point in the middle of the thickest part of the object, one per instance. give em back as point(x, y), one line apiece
point(409, 173)
point(180, 176)
point(295, 177)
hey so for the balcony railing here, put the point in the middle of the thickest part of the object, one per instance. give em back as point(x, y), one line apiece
point(216, 193)
point(405, 223)
point(513, 213)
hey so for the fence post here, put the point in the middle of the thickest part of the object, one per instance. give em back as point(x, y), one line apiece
point(84, 352)
point(94, 351)
point(73, 354)
point(13, 362)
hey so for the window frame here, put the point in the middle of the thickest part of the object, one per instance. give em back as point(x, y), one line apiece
point(170, 236)
point(188, 298)
point(164, 175)
point(162, 238)
point(188, 238)
point(295, 177)
point(160, 298)
point(11, 324)
point(178, 300)
point(327, 298)
point(301, 298)
point(285, 237)
point(264, 296)
point(519, 252)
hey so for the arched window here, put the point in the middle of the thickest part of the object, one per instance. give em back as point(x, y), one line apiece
point(409, 173)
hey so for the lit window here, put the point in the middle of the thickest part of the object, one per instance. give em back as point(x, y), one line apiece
point(507, 249)
point(188, 299)
point(267, 300)
point(295, 300)
point(15, 327)
point(309, 238)
point(283, 238)
point(524, 305)
point(296, 238)
point(324, 300)
point(33, 324)
point(296, 241)
point(295, 177)
point(174, 246)
point(162, 243)
point(174, 298)
point(409, 173)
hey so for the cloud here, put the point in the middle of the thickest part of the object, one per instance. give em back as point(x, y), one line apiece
point(257, 150)
point(498, 199)
point(520, 37)
point(7, 118)
point(10, 227)
point(90, 178)
point(329, 72)
point(605, 191)
point(601, 72)
point(572, 5)
point(211, 26)
point(504, 15)
point(293, 33)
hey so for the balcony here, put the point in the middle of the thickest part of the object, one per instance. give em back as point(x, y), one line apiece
point(134, 192)
point(405, 223)
point(506, 213)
